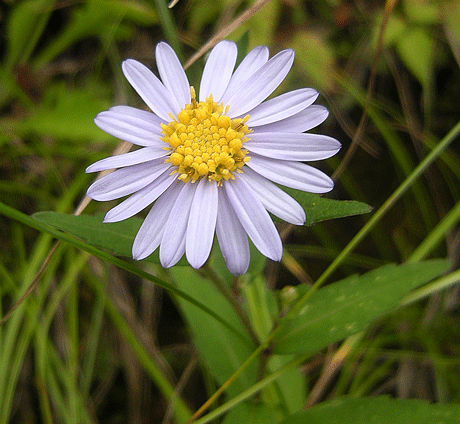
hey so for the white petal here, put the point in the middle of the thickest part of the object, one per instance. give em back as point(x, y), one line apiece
point(149, 235)
point(136, 129)
point(218, 70)
point(292, 174)
point(257, 57)
point(274, 199)
point(127, 159)
point(148, 120)
point(201, 223)
point(150, 88)
point(254, 218)
point(281, 107)
point(141, 199)
point(126, 180)
point(261, 84)
point(172, 74)
point(178, 253)
point(232, 238)
point(176, 226)
point(293, 146)
point(302, 121)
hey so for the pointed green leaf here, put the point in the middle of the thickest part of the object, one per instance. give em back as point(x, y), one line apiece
point(116, 237)
point(377, 410)
point(348, 306)
point(319, 208)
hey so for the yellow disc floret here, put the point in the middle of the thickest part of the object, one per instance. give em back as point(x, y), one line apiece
point(204, 142)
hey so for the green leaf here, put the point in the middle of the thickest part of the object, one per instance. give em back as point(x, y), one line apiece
point(348, 306)
point(222, 351)
point(290, 386)
point(416, 49)
point(25, 25)
point(451, 19)
point(318, 208)
point(377, 410)
point(422, 11)
point(67, 114)
point(115, 237)
point(250, 413)
point(100, 18)
point(317, 59)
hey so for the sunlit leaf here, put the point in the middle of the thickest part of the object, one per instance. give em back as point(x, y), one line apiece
point(315, 58)
point(416, 49)
point(24, 27)
point(67, 114)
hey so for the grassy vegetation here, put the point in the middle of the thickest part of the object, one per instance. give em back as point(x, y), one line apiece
point(98, 339)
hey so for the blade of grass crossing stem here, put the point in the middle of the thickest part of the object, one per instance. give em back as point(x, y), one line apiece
point(252, 390)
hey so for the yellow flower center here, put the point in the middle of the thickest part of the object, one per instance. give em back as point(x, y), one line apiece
point(205, 142)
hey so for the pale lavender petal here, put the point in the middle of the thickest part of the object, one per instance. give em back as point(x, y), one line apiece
point(148, 120)
point(149, 235)
point(141, 199)
point(127, 159)
point(178, 253)
point(201, 223)
point(254, 218)
point(176, 226)
point(127, 180)
point(172, 73)
point(261, 84)
point(292, 174)
point(150, 89)
point(135, 129)
point(293, 146)
point(302, 121)
point(282, 106)
point(233, 240)
point(218, 70)
point(274, 199)
point(257, 57)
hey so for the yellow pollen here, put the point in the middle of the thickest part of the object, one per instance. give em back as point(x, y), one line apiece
point(205, 142)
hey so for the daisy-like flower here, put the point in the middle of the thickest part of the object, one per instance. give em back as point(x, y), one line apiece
point(208, 163)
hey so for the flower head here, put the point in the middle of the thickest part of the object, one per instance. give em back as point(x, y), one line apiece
point(208, 164)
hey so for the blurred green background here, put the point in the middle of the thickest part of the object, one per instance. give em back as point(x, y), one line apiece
point(66, 354)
